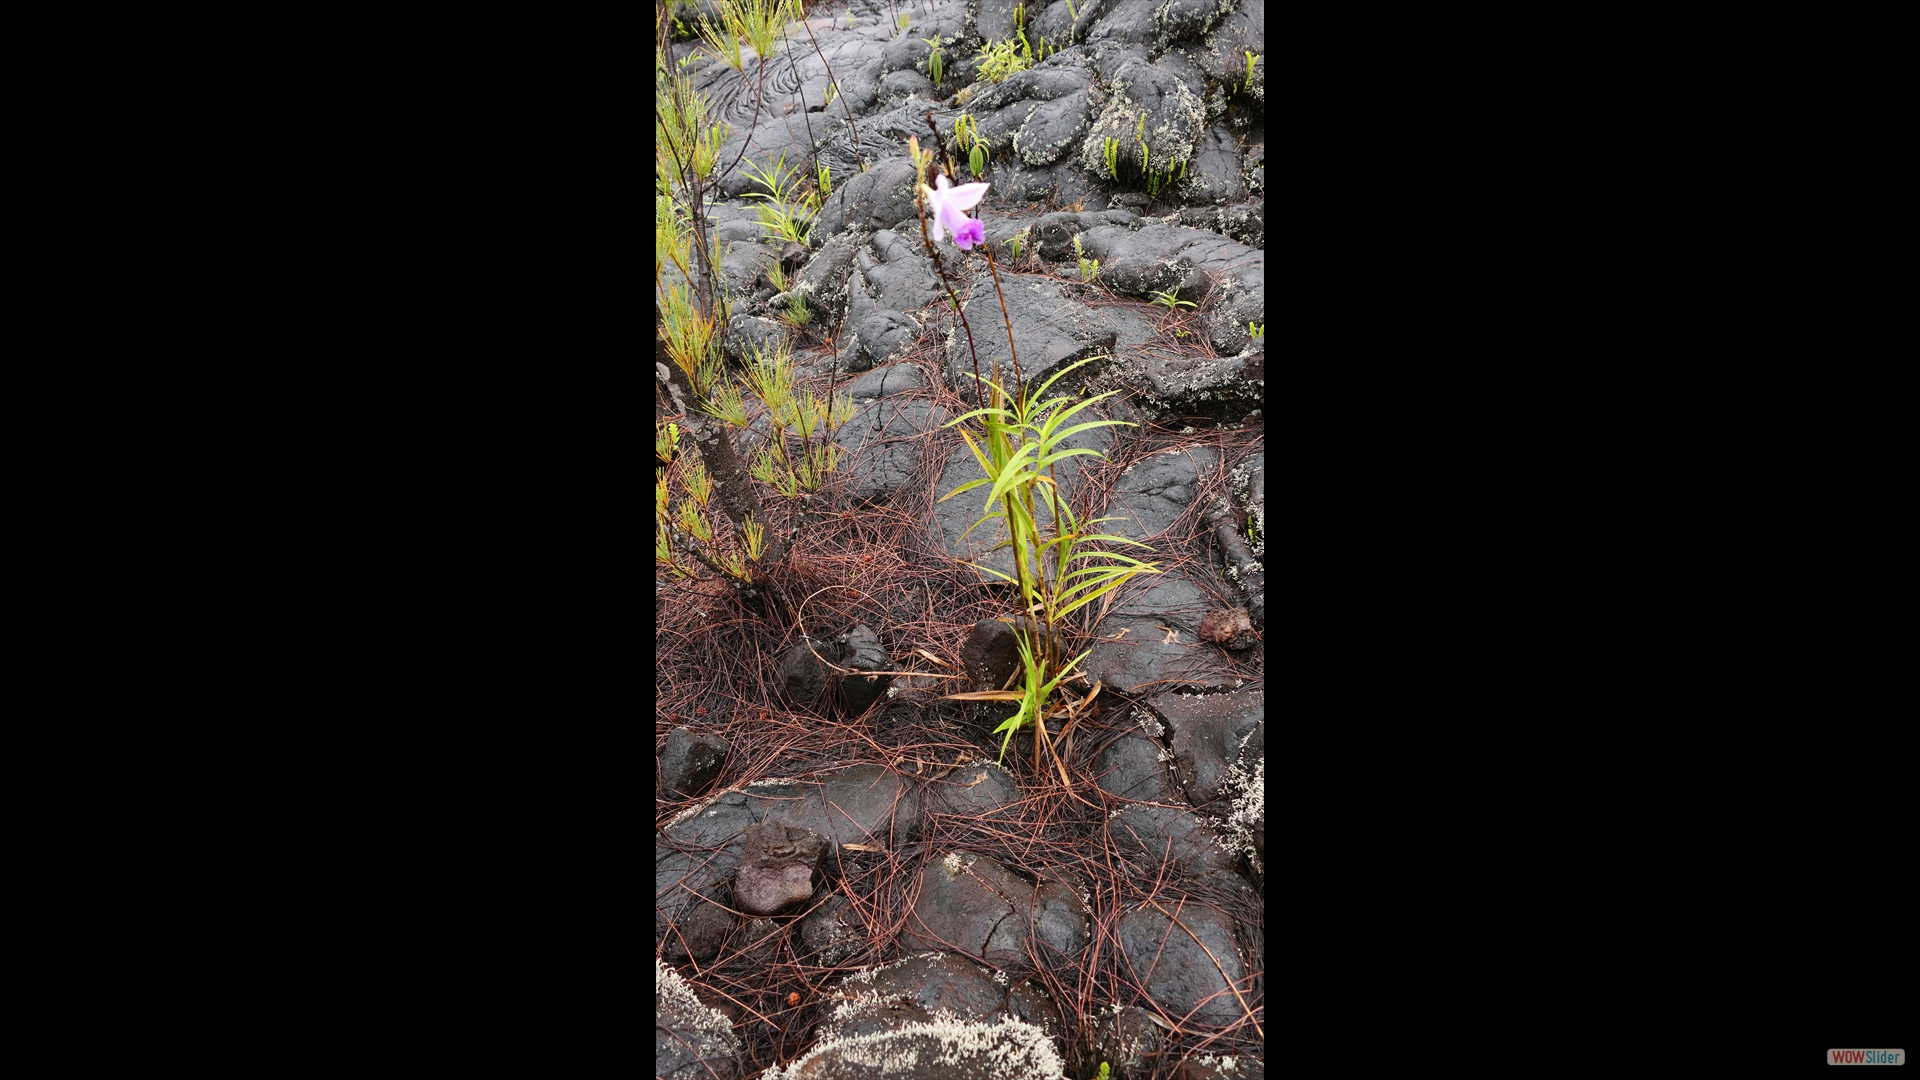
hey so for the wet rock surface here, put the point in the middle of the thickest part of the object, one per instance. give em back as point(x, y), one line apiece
point(885, 382)
point(1137, 768)
point(880, 336)
point(832, 932)
point(920, 988)
point(976, 792)
point(1168, 833)
point(1132, 654)
point(974, 906)
point(1206, 734)
point(1055, 328)
point(1154, 493)
point(803, 671)
point(1187, 964)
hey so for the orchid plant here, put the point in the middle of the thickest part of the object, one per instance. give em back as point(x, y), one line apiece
point(1020, 441)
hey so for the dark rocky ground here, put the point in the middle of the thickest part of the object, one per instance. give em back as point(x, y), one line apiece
point(846, 883)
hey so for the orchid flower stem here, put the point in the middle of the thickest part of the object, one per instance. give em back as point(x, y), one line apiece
point(940, 268)
point(1009, 321)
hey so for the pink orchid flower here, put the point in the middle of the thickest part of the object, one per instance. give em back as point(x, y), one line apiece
point(950, 205)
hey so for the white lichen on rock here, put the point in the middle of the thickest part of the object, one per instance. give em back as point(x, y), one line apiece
point(676, 1007)
point(1246, 785)
point(1009, 1050)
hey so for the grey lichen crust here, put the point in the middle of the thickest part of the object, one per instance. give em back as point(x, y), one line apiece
point(1009, 1050)
point(712, 1031)
point(1246, 785)
point(1175, 119)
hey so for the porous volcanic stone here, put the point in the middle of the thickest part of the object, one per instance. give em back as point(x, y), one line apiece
point(1189, 18)
point(1174, 112)
point(690, 762)
point(777, 868)
point(1229, 628)
point(1223, 52)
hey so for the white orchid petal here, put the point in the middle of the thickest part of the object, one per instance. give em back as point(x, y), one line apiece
point(966, 196)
